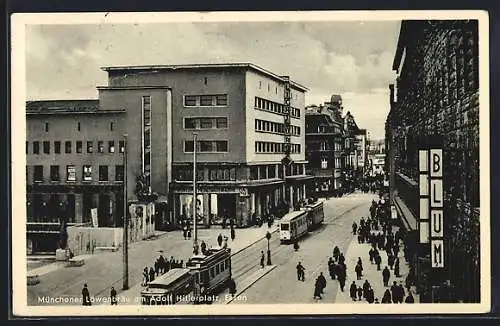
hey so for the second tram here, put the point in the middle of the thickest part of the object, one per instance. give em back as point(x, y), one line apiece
point(315, 215)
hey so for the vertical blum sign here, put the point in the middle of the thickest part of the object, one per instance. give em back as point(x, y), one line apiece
point(423, 185)
point(436, 207)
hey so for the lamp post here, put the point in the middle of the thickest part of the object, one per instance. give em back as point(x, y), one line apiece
point(268, 237)
point(125, 215)
point(195, 228)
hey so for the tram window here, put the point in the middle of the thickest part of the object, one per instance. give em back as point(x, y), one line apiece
point(205, 276)
point(217, 270)
point(212, 274)
point(227, 263)
point(284, 227)
point(222, 266)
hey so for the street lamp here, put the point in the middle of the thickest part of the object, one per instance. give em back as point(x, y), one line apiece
point(195, 228)
point(125, 215)
point(268, 237)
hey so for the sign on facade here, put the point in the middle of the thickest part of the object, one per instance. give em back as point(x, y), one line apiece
point(431, 217)
point(95, 221)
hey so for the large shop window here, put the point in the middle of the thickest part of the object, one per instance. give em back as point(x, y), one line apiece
point(222, 174)
point(87, 173)
point(70, 173)
point(254, 173)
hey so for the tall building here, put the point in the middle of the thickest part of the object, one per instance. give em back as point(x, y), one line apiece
point(247, 120)
point(324, 145)
point(436, 95)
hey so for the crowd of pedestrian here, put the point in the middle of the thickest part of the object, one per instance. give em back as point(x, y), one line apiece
point(377, 231)
point(161, 266)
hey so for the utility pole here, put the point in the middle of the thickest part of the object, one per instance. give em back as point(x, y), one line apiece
point(125, 215)
point(195, 228)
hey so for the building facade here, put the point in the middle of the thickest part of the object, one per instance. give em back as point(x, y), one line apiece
point(240, 116)
point(324, 146)
point(436, 95)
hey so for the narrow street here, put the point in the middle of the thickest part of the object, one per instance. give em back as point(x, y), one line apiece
point(281, 285)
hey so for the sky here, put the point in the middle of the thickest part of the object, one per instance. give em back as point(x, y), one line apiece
point(349, 58)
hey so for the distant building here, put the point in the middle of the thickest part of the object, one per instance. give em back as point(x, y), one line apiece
point(324, 145)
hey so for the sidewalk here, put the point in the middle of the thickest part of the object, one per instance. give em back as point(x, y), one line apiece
point(370, 272)
point(103, 270)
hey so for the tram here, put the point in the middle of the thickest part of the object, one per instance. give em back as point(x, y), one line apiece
point(202, 279)
point(212, 271)
point(293, 226)
point(315, 215)
point(168, 289)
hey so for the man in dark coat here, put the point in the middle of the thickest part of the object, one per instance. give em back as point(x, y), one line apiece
point(371, 253)
point(336, 253)
point(151, 274)
point(317, 289)
point(360, 293)
point(409, 298)
point(262, 258)
point(354, 228)
point(233, 233)
point(232, 287)
point(113, 296)
point(358, 269)
point(219, 239)
point(300, 272)
point(161, 264)
point(341, 275)
point(386, 274)
point(203, 247)
point(331, 268)
point(370, 295)
point(396, 268)
point(378, 261)
point(394, 292)
point(86, 296)
point(366, 287)
point(353, 290)
point(401, 292)
point(322, 282)
point(390, 260)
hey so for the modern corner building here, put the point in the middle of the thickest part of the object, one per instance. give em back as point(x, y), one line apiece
point(437, 94)
point(247, 119)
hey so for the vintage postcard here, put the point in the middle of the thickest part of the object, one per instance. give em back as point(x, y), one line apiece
point(250, 163)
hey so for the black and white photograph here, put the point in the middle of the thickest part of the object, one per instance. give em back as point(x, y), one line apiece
point(229, 163)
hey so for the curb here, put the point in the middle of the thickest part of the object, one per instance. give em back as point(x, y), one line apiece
point(271, 268)
point(403, 217)
point(252, 243)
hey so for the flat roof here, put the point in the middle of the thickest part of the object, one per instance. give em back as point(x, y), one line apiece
point(67, 107)
point(292, 215)
point(205, 66)
point(170, 276)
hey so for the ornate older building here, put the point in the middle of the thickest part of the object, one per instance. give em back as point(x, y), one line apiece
point(436, 95)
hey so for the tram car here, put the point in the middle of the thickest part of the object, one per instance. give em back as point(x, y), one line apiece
point(315, 215)
point(168, 289)
point(211, 272)
point(293, 226)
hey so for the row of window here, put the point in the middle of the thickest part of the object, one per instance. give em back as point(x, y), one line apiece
point(78, 126)
point(278, 108)
point(38, 175)
point(275, 89)
point(271, 147)
point(205, 100)
point(206, 146)
point(205, 123)
point(68, 147)
point(185, 173)
point(324, 163)
point(275, 127)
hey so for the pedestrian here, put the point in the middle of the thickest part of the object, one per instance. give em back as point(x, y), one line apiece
point(322, 282)
point(371, 254)
point(396, 268)
point(386, 274)
point(233, 234)
point(387, 297)
point(354, 228)
point(86, 295)
point(331, 268)
point(378, 261)
point(401, 292)
point(162, 265)
point(370, 297)
point(409, 298)
point(184, 232)
point(317, 289)
point(341, 259)
point(151, 274)
point(360, 293)
point(394, 292)
point(262, 258)
point(203, 246)
point(167, 265)
point(366, 287)
point(358, 269)
point(376, 301)
point(219, 240)
point(336, 253)
point(341, 276)
point(390, 260)
point(300, 272)
point(353, 290)
point(157, 267)
point(224, 242)
point(113, 296)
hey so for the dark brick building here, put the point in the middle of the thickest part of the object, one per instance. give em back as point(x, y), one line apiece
point(437, 94)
